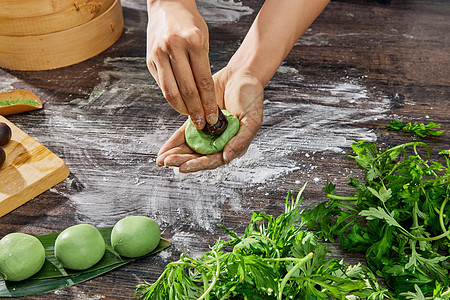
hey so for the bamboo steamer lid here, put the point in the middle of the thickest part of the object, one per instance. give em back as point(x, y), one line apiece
point(74, 15)
point(35, 8)
point(62, 48)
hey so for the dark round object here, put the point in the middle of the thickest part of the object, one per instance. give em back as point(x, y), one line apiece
point(2, 156)
point(219, 127)
point(5, 134)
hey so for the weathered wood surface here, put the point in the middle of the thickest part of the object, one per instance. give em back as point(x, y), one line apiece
point(360, 65)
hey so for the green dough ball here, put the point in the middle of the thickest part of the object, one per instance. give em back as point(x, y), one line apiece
point(79, 247)
point(21, 256)
point(204, 143)
point(135, 236)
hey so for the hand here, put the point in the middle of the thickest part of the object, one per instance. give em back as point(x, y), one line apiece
point(240, 94)
point(177, 57)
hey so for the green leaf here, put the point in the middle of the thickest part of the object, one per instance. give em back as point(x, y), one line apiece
point(379, 213)
point(53, 276)
point(418, 295)
point(383, 194)
point(395, 125)
point(419, 129)
point(329, 188)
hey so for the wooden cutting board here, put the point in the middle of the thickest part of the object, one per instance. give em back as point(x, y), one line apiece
point(29, 170)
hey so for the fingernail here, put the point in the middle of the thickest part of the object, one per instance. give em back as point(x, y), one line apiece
point(198, 122)
point(228, 157)
point(211, 119)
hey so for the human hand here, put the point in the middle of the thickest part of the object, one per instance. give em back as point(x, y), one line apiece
point(242, 95)
point(177, 57)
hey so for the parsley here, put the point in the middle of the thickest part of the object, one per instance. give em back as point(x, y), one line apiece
point(273, 259)
point(419, 129)
point(399, 217)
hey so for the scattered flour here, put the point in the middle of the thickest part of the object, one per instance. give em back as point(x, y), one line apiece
point(7, 82)
point(322, 121)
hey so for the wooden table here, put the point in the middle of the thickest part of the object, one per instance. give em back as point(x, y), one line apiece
point(361, 64)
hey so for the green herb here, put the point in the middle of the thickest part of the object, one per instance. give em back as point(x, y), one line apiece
point(53, 276)
point(419, 129)
point(31, 102)
point(399, 217)
point(273, 259)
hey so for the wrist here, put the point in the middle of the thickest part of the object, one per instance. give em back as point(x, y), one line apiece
point(248, 61)
point(157, 3)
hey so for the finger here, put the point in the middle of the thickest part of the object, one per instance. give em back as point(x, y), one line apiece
point(175, 144)
point(205, 84)
point(175, 140)
point(176, 160)
point(187, 87)
point(207, 162)
point(184, 149)
point(167, 83)
point(151, 66)
point(239, 144)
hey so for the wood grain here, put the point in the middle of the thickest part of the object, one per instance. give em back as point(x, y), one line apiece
point(74, 15)
point(29, 170)
point(33, 8)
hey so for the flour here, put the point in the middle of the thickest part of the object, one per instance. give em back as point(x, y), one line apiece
point(7, 82)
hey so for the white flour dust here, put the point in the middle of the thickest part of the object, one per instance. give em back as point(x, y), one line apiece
point(116, 169)
point(7, 82)
point(323, 123)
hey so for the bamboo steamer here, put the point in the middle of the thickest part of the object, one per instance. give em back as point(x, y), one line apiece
point(73, 16)
point(65, 47)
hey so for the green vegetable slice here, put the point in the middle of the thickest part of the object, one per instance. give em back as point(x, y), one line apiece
point(53, 276)
point(31, 102)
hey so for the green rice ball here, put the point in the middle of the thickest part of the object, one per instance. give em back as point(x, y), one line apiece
point(135, 236)
point(21, 256)
point(204, 143)
point(79, 247)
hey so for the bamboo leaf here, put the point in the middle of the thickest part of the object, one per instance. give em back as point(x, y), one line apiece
point(53, 275)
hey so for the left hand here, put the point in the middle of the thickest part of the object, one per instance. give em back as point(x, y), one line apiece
point(242, 95)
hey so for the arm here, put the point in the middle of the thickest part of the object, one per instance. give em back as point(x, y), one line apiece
point(276, 29)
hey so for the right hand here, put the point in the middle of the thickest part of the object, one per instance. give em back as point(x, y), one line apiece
point(177, 57)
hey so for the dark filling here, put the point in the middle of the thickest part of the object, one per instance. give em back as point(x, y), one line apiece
point(219, 127)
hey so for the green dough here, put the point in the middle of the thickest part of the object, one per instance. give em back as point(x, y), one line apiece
point(135, 236)
point(204, 143)
point(21, 256)
point(79, 247)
